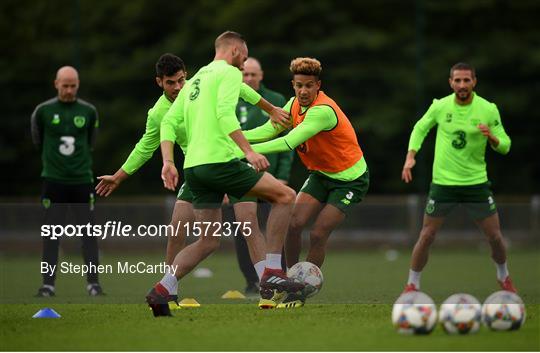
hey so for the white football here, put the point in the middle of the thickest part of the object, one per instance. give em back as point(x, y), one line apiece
point(460, 314)
point(309, 274)
point(503, 311)
point(414, 313)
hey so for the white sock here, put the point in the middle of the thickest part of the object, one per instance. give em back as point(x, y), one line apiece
point(259, 268)
point(170, 283)
point(414, 278)
point(48, 286)
point(273, 261)
point(502, 271)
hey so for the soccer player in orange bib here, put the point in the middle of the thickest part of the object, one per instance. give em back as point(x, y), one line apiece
point(327, 145)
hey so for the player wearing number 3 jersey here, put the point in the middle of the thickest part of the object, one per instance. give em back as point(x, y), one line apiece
point(63, 128)
point(205, 112)
point(466, 124)
point(64, 131)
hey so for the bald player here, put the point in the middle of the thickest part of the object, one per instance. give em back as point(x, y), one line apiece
point(64, 129)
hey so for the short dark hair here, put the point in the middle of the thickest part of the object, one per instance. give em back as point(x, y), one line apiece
point(228, 37)
point(169, 64)
point(463, 66)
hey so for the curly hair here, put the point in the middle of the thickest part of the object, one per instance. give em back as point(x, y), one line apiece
point(306, 66)
point(168, 65)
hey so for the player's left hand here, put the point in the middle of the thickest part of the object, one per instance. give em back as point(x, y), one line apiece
point(169, 175)
point(406, 173)
point(278, 116)
point(484, 129)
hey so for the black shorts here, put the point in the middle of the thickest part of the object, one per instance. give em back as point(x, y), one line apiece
point(60, 200)
point(54, 192)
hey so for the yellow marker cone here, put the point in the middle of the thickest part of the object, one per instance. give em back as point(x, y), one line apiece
point(189, 303)
point(233, 294)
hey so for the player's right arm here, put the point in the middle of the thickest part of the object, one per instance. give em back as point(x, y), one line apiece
point(258, 161)
point(420, 130)
point(320, 118)
point(142, 152)
point(227, 97)
point(410, 162)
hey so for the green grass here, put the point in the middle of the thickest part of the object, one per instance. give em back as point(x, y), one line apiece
point(352, 312)
point(239, 327)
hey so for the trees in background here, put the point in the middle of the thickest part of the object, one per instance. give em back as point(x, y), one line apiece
point(382, 61)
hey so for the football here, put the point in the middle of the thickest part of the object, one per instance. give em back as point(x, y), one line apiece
point(414, 313)
point(460, 314)
point(309, 274)
point(503, 311)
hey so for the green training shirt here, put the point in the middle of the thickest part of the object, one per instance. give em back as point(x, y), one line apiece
point(460, 147)
point(251, 116)
point(149, 142)
point(318, 118)
point(206, 108)
point(65, 131)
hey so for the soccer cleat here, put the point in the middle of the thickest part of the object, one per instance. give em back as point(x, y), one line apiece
point(507, 285)
point(45, 291)
point(293, 300)
point(173, 303)
point(158, 300)
point(410, 287)
point(275, 286)
point(94, 289)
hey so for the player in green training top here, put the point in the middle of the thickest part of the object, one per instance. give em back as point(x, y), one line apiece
point(205, 108)
point(466, 123)
point(170, 76)
point(64, 128)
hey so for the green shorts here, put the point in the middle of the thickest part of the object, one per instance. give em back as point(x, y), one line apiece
point(341, 194)
point(233, 200)
point(210, 182)
point(185, 193)
point(477, 200)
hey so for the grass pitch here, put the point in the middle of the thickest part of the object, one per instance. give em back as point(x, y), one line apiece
point(352, 312)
